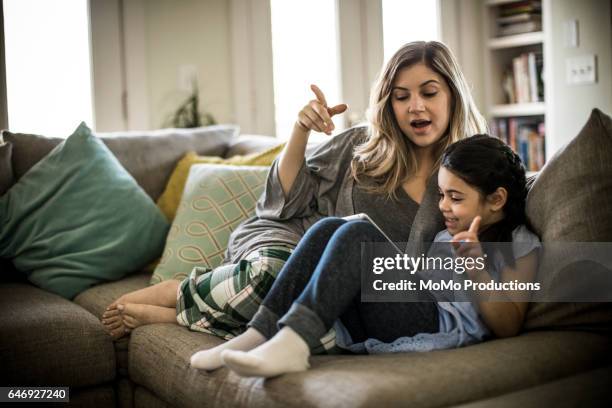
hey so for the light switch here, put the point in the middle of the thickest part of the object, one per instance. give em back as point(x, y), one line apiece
point(571, 33)
point(581, 70)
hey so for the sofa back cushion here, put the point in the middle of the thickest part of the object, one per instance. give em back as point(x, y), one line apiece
point(149, 156)
point(571, 201)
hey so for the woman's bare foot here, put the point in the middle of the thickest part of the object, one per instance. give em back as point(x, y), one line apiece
point(113, 322)
point(135, 314)
point(163, 294)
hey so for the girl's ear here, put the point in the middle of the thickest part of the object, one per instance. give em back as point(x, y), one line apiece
point(498, 198)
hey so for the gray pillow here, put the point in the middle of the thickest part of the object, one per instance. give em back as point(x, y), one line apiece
point(571, 201)
point(6, 169)
point(149, 156)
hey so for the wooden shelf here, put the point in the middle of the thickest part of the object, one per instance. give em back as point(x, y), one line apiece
point(518, 40)
point(518, 109)
point(499, 2)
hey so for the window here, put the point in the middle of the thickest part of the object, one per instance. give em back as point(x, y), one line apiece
point(408, 20)
point(48, 70)
point(305, 51)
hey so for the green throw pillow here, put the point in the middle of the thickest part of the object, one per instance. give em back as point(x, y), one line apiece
point(77, 218)
point(216, 199)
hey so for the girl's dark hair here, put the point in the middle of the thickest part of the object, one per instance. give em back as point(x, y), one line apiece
point(486, 163)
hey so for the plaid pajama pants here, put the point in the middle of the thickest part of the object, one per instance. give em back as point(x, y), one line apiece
point(221, 301)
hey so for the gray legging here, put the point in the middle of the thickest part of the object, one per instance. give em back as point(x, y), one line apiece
point(321, 282)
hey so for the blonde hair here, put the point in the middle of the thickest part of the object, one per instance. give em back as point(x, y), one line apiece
point(387, 156)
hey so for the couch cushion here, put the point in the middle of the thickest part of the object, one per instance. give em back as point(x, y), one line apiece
point(569, 201)
point(573, 182)
point(217, 198)
point(68, 221)
point(125, 393)
point(159, 361)
point(146, 399)
point(6, 169)
point(149, 156)
point(47, 340)
point(95, 397)
point(588, 389)
point(247, 144)
point(96, 299)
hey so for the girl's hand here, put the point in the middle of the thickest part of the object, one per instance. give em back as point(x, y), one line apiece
point(466, 243)
point(316, 115)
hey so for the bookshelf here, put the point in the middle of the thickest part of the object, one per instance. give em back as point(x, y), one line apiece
point(515, 94)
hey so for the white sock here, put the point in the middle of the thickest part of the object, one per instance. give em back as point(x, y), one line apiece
point(211, 359)
point(286, 352)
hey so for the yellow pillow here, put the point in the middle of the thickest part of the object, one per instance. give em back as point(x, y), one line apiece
point(169, 201)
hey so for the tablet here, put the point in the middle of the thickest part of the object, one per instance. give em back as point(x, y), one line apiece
point(366, 217)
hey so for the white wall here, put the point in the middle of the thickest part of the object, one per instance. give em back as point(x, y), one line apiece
point(462, 31)
point(107, 76)
point(136, 71)
point(569, 105)
point(229, 43)
point(252, 67)
point(138, 50)
point(182, 33)
point(361, 52)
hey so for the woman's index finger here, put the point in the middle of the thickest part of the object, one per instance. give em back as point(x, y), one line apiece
point(319, 94)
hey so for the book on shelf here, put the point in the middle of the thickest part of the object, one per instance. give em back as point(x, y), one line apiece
point(522, 82)
point(519, 17)
point(525, 136)
point(520, 28)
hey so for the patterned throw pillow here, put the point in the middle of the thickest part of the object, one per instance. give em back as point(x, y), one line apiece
point(169, 201)
point(216, 199)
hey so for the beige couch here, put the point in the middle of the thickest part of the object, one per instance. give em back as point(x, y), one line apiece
point(47, 340)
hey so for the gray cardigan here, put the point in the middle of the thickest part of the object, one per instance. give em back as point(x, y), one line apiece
point(322, 188)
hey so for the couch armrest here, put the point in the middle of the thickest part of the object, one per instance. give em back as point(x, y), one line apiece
point(48, 340)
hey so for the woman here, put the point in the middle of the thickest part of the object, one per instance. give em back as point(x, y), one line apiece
point(420, 104)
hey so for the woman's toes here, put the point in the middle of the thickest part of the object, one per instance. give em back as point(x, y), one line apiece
point(110, 313)
point(119, 333)
point(137, 312)
point(130, 322)
point(111, 319)
point(114, 325)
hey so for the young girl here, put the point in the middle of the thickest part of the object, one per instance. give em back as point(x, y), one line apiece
point(482, 189)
